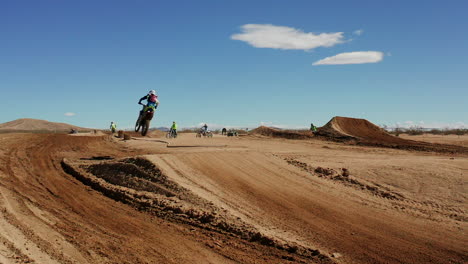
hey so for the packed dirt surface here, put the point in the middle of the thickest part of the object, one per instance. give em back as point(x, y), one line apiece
point(460, 140)
point(362, 132)
point(99, 199)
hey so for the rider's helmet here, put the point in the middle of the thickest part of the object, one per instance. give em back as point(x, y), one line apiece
point(152, 92)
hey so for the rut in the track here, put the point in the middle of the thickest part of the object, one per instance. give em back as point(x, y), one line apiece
point(138, 182)
point(426, 209)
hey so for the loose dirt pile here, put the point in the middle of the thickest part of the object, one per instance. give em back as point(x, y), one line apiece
point(138, 182)
point(362, 132)
point(277, 133)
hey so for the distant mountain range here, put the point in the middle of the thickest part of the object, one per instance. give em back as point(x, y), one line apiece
point(37, 125)
point(164, 129)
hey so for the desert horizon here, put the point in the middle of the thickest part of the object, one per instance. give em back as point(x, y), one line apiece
point(256, 132)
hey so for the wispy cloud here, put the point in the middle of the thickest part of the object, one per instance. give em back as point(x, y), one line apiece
point(357, 57)
point(358, 32)
point(69, 114)
point(287, 38)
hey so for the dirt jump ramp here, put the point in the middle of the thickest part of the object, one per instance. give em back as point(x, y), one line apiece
point(362, 132)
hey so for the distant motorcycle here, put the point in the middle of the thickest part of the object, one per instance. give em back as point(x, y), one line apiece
point(204, 133)
point(171, 134)
point(144, 119)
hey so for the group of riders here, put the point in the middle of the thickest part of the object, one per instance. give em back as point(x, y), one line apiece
point(152, 103)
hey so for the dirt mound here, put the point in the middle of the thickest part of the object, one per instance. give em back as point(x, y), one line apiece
point(278, 133)
point(138, 182)
point(37, 125)
point(355, 128)
point(363, 132)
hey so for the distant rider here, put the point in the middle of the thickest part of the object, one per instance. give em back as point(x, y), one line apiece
point(204, 129)
point(151, 100)
point(113, 127)
point(174, 128)
point(313, 128)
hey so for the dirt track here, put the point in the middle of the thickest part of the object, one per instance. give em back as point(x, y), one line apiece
point(272, 186)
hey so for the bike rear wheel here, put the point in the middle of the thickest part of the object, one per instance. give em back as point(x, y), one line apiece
point(145, 127)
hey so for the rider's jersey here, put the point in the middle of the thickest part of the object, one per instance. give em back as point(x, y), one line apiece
point(174, 126)
point(148, 102)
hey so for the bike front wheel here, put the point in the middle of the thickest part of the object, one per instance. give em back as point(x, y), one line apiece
point(138, 124)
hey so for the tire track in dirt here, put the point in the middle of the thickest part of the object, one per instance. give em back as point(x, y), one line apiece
point(41, 195)
point(316, 211)
point(138, 182)
point(427, 209)
point(21, 242)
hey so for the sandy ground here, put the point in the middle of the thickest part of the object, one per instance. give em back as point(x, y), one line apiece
point(461, 140)
point(395, 206)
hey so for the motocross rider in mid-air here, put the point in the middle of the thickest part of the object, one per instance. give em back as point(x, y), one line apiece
point(151, 101)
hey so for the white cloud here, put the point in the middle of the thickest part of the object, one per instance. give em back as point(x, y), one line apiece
point(281, 37)
point(358, 32)
point(356, 57)
point(69, 114)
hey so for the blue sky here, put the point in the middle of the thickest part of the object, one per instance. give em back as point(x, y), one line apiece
point(238, 63)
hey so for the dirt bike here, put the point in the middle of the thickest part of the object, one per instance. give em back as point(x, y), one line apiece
point(171, 134)
point(144, 120)
point(204, 133)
